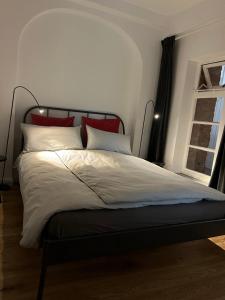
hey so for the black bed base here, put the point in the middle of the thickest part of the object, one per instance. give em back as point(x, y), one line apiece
point(59, 251)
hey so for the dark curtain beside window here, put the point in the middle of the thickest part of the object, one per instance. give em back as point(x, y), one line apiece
point(162, 105)
point(218, 176)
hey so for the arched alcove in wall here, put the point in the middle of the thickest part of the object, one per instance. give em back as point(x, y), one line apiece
point(74, 59)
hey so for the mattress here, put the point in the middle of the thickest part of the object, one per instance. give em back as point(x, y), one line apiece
point(80, 223)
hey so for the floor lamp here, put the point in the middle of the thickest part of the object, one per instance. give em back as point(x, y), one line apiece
point(3, 158)
point(156, 116)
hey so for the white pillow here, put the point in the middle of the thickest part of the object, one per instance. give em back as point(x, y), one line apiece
point(103, 140)
point(40, 138)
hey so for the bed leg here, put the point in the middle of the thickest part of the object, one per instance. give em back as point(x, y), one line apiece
point(42, 277)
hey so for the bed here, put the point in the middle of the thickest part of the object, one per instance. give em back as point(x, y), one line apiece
point(107, 220)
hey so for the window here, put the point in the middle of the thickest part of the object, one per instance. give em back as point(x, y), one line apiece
point(214, 75)
point(207, 121)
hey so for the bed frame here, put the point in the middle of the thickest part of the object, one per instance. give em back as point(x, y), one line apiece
point(59, 251)
point(68, 112)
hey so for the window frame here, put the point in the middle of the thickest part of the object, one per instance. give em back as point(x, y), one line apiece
point(197, 94)
point(205, 68)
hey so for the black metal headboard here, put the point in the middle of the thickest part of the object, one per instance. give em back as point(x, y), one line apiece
point(49, 111)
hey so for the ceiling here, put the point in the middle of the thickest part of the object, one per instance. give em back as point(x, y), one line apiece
point(165, 7)
point(167, 16)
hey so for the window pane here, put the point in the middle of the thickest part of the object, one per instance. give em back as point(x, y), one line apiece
point(200, 161)
point(209, 109)
point(204, 135)
point(217, 75)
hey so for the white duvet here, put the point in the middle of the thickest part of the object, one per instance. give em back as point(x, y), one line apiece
point(52, 182)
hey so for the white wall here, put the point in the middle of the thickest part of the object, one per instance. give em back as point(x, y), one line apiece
point(87, 63)
point(203, 46)
point(84, 57)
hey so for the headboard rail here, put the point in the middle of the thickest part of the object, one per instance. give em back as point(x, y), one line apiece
point(49, 111)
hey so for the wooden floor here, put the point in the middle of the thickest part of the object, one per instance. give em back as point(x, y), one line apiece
point(188, 271)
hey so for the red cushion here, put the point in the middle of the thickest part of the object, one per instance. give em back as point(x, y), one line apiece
point(111, 125)
point(51, 121)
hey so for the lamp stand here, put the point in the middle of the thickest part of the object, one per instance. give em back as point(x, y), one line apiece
point(3, 186)
point(143, 124)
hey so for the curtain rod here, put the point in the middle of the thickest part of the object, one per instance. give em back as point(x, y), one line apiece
point(196, 29)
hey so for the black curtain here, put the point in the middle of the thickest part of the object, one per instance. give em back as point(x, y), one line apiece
point(217, 180)
point(162, 105)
